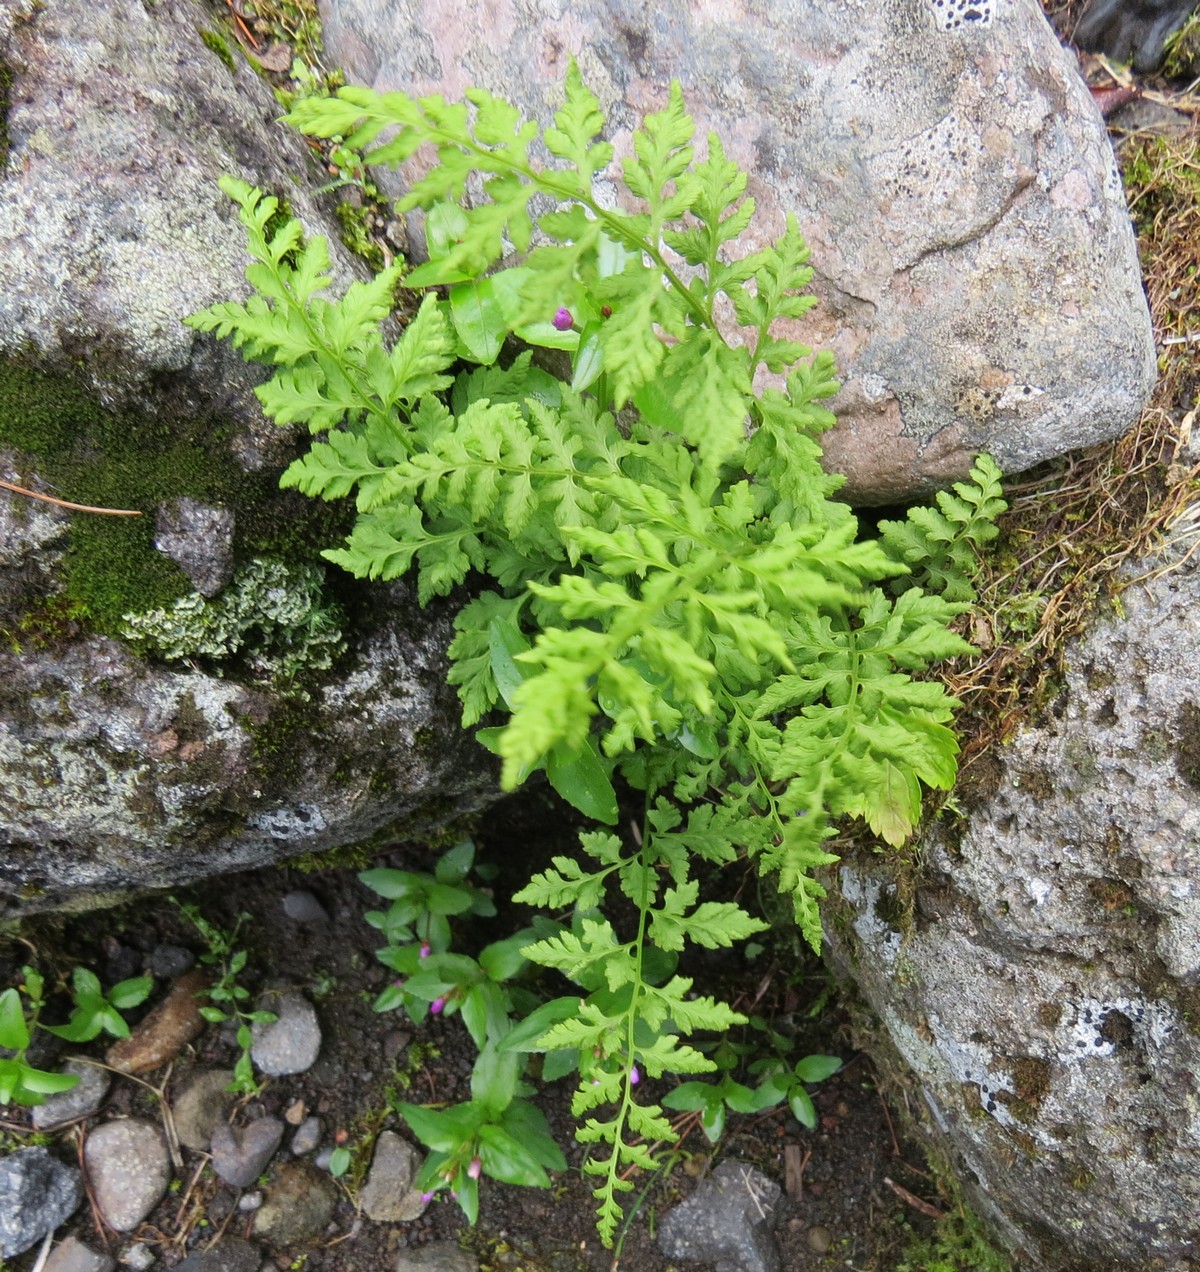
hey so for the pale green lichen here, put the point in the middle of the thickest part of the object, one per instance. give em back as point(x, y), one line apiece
point(274, 617)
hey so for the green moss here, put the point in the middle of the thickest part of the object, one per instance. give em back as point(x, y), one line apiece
point(1183, 51)
point(219, 45)
point(90, 455)
point(357, 234)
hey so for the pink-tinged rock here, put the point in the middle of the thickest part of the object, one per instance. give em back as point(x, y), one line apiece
point(950, 171)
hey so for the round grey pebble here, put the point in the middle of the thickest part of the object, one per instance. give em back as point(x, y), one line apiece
point(303, 907)
point(129, 1171)
point(819, 1239)
point(169, 962)
point(249, 1202)
point(290, 1044)
point(79, 1102)
point(307, 1136)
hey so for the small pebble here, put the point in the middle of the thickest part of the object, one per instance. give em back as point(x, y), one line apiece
point(303, 907)
point(291, 1043)
point(819, 1239)
point(240, 1153)
point(307, 1136)
point(201, 1106)
point(324, 1157)
point(79, 1102)
point(169, 961)
point(129, 1170)
point(296, 1113)
point(250, 1201)
point(71, 1255)
point(138, 1257)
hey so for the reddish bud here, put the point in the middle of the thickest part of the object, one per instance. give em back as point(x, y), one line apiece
point(562, 319)
point(475, 1169)
point(605, 311)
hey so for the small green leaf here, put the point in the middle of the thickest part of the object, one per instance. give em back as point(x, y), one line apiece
point(581, 778)
point(802, 1108)
point(817, 1068)
point(712, 1121)
point(478, 320)
point(509, 1161)
point(526, 1035)
point(131, 993)
point(339, 1162)
point(14, 1033)
point(455, 863)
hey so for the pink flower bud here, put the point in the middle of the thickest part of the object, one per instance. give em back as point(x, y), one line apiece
point(425, 949)
point(437, 1005)
point(426, 1198)
point(475, 1169)
point(634, 1076)
point(562, 319)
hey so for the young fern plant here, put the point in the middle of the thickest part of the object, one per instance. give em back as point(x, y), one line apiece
point(673, 596)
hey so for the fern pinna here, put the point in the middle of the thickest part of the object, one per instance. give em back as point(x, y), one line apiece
point(674, 596)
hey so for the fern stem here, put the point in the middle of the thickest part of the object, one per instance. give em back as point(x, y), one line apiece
point(631, 1014)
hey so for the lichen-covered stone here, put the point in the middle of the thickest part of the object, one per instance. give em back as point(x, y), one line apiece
point(1045, 994)
point(945, 161)
point(156, 726)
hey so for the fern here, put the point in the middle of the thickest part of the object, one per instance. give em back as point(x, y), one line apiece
point(940, 545)
point(672, 597)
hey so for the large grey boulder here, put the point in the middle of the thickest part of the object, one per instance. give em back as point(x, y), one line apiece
point(1046, 993)
point(254, 706)
point(949, 170)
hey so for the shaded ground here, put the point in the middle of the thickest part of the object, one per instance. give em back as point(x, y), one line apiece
point(838, 1195)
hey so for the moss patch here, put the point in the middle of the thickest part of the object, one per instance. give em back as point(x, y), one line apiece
point(89, 455)
point(218, 44)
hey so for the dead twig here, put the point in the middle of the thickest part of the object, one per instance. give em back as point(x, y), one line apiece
point(74, 507)
point(911, 1199)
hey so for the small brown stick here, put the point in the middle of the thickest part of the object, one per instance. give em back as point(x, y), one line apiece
point(240, 21)
point(74, 507)
point(887, 1117)
point(187, 1196)
point(794, 1166)
point(911, 1199)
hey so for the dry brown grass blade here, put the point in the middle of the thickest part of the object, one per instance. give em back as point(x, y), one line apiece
point(62, 503)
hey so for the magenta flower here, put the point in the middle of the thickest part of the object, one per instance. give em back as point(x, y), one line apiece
point(437, 1005)
point(562, 319)
point(634, 1076)
point(425, 949)
point(475, 1169)
point(426, 1198)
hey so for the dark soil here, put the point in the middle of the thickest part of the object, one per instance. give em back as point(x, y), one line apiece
point(835, 1177)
